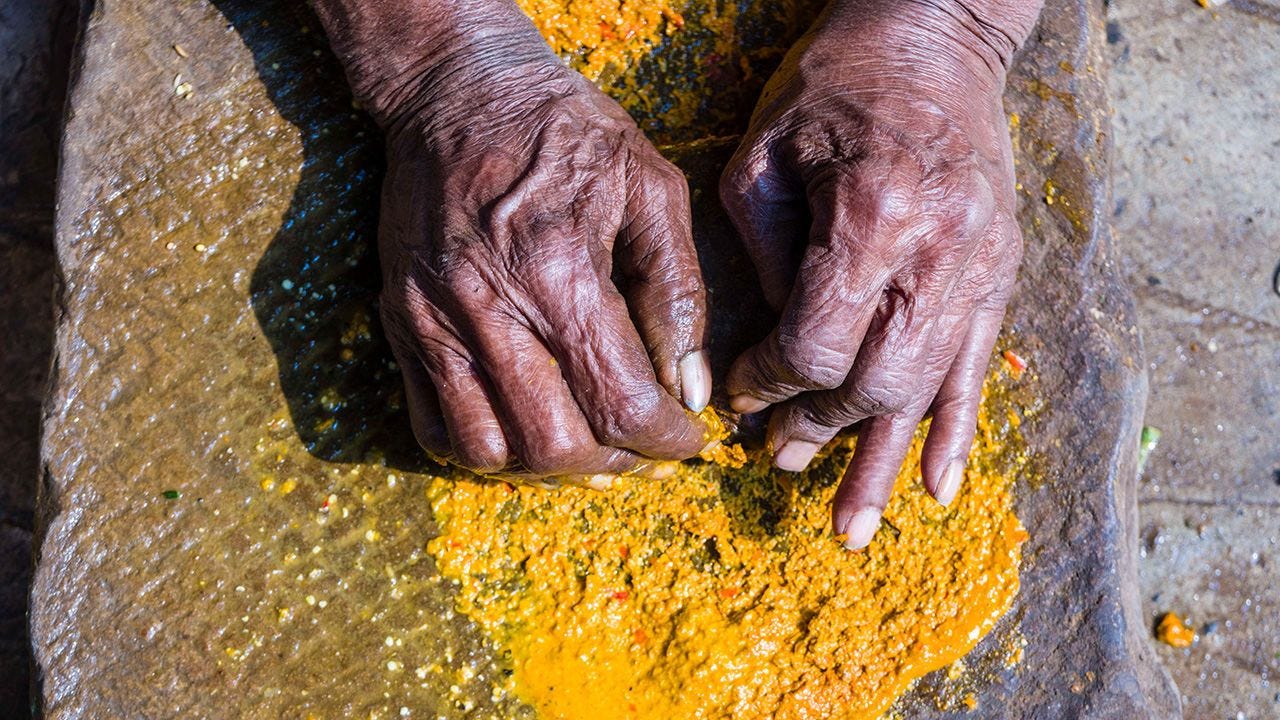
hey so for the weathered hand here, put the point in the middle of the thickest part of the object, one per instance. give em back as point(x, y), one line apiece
point(516, 194)
point(874, 191)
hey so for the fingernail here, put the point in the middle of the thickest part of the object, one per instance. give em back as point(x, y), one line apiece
point(664, 470)
point(861, 528)
point(654, 470)
point(695, 380)
point(709, 447)
point(602, 481)
point(794, 455)
point(747, 404)
point(949, 483)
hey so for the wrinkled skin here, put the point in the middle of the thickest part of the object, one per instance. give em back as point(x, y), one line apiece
point(874, 190)
point(506, 210)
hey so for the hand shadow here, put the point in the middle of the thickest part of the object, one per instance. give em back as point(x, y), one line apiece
point(315, 289)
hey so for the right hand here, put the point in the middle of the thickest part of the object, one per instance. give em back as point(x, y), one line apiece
point(515, 193)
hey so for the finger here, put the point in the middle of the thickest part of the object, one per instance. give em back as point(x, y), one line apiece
point(767, 208)
point(466, 404)
point(900, 365)
point(547, 431)
point(601, 355)
point(868, 482)
point(833, 300)
point(916, 332)
point(425, 417)
point(955, 409)
point(663, 282)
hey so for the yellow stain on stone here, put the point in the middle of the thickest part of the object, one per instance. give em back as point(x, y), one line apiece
point(722, 594)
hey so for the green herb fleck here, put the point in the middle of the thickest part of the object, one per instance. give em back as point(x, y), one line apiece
point(1150, 438)
point(171, 494)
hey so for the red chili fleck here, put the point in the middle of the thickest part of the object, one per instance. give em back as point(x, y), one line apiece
point(1016, 363)
point(728, 592)
point(621, 595)
point(640, 636)
point(624, 551)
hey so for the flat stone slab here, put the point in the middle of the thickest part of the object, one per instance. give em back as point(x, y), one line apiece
point(217, 343)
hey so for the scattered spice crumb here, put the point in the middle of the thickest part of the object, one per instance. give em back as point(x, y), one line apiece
point(1016, 363)
point(1173, 632)
point(182, 52)
point(181, 87)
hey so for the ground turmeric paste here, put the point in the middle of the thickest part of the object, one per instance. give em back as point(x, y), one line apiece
point(722, 593)
point(600, 35)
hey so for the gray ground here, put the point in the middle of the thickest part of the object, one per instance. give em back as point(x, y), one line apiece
point(1196, 95)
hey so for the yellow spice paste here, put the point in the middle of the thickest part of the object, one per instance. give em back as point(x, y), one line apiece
point(599, 35)
point(721, 593)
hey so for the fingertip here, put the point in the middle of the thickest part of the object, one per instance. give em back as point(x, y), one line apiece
point(948, 484)
point(746, 404)
point(795, 455)
point(868, 482)
point(695, 380)
point(860, 528)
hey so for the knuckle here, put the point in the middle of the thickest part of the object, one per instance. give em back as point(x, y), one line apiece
point(809, 365)
point(734, 186)
point(877, 399)
point(556, 455)
point(672, 178)
point(820, 418)
point(635, 419)
point(481, 455)
point(395, 325)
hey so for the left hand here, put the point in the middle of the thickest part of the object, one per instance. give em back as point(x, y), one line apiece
point(874, 191)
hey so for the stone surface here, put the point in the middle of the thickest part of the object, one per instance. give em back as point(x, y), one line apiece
point(1196, 95)
point(215, 380)
point(35, 43)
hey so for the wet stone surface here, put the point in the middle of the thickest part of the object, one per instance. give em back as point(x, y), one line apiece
point(233, 518)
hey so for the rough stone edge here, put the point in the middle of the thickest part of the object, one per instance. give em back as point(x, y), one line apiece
point(1149, 692)
point(70, 174)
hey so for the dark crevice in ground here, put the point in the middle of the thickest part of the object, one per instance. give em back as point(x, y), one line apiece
point(36, 38)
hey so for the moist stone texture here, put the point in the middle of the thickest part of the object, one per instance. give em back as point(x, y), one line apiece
point(233, 517)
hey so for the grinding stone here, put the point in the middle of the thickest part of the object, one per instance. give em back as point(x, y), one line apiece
point(220, 371)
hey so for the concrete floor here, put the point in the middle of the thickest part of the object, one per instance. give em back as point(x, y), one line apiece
point(1196, 94)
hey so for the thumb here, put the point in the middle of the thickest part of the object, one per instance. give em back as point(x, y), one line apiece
point(662, 281)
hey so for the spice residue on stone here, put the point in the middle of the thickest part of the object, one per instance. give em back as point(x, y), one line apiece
point(721, 592)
